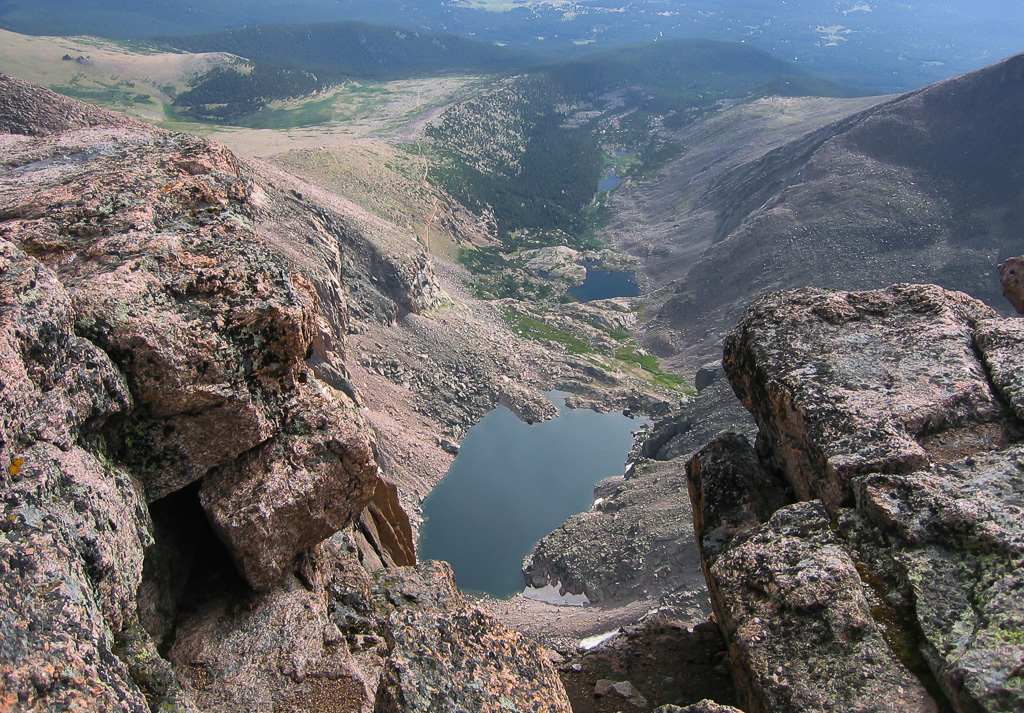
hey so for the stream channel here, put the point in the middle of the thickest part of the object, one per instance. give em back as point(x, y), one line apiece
point(512, 484)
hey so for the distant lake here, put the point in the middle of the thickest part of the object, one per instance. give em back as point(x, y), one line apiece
point(512, 484)
point(601, 285)
point(609, 182)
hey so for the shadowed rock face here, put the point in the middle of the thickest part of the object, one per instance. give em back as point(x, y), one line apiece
point(175, 411)
point(894, 417)
point(318, 641)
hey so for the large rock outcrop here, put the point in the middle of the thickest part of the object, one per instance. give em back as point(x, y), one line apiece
point(73, 525)
point(789, 599)
point(334, 637)
point(894, 582)
point(848, 383)
point(191, 496)
point(447, 656)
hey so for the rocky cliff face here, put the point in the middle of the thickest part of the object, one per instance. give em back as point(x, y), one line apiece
point(191, 495)
point(866, 555)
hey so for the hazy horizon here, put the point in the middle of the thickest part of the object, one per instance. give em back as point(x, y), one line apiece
point(887, 46)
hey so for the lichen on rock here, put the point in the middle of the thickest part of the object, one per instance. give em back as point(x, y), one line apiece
point(847, 383)
point(446, 655)
point(894, 416)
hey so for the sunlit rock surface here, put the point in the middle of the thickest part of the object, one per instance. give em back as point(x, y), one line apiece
point(192, 499)
point(895, 583)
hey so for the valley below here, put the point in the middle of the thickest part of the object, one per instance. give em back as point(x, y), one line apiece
point(265, 344)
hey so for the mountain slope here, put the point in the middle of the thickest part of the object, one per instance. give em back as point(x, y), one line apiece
point(127, 77)
point(530, 149)
point(928, 187)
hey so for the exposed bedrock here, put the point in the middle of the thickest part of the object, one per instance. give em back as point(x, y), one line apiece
point(73, 525)
point(894, 583)
point(318, 640)
point(447, 656)
point(705, 706)
point(844, 383)
point(789, 600)
point(191, 501)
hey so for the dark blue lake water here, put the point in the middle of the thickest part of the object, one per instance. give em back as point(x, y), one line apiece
point(609, 182)
point(601, 285)
point(511, 484)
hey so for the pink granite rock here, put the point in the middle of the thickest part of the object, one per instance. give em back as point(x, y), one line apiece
point(1011, 274)
point(843, 383)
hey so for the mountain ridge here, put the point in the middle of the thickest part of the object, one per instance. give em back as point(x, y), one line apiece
point(929, 175)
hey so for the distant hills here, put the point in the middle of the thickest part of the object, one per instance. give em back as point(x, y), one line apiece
point(356, 49)
point(692, 69)
point(527, 146)
point(531, 150)
point(885, 47)
point(289, 61)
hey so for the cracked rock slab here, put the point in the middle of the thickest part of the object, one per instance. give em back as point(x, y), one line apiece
point(1001, 343)
point(801, 632)
point(294, 491)
point(958, 531)
point(788, 596)
point(843, 383)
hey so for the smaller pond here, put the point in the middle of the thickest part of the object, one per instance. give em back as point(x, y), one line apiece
point(512, 484)
point(603, 285)
point(609, 182)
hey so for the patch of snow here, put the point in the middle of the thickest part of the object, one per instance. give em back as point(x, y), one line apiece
point(551, 594)
point(592, 642)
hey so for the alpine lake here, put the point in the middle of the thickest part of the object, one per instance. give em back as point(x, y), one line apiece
point(513, 483)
